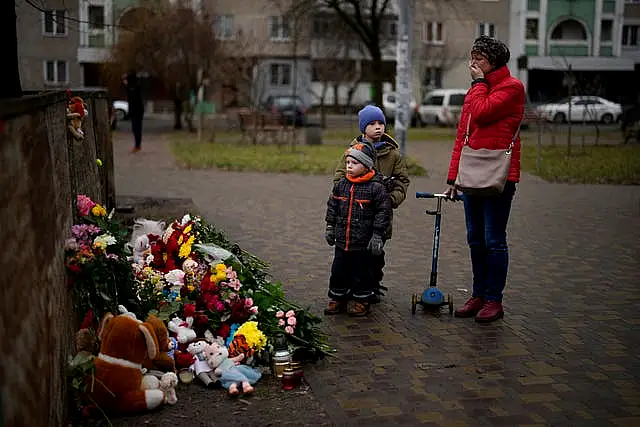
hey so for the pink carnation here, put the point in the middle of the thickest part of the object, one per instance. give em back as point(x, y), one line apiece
point(292, 321)
point(248, 302)
point(290, 313)
point(281, 322)
point(254, 309)
point(280, 314)
point(85, 204)
point(289, 330)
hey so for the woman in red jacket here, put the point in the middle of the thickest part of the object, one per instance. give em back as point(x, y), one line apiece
point(493, 110)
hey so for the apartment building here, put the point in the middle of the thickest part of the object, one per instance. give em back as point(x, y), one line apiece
point(590, 43)
point(443, 32)
point(48, 44)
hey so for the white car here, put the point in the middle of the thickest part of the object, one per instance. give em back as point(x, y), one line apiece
point(390, 102)
point(121, 110)
point(441, 107)
point(583, 109)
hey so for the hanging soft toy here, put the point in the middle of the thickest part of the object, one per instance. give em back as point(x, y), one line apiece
point(76, 112)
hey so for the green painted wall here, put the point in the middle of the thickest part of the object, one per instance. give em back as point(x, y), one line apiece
point(533, 5)
point(606, 51)
point(582, 9)
point(568, 50)
point(531, 50)
point(120, 5)
point(608, 6)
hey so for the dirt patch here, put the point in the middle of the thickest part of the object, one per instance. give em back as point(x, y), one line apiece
point(269, 405)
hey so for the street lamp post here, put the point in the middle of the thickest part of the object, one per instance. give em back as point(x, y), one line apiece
point(403, 74)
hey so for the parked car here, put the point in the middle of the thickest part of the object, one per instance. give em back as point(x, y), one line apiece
point(583, 108)
point(121, 110)
point(441, 107)
point(292, 108)
point(390, 103)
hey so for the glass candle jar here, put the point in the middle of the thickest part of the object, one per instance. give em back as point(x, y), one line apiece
point(288, 379)
point(298, 373)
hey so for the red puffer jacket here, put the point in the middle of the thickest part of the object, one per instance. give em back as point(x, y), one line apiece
point(496, 105)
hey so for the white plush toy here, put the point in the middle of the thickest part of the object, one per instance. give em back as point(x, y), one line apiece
point(168, 384)
point(200, 367)
point(182, 329)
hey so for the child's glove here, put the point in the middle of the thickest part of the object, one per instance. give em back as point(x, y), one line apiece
point(330, 235)
point(375, 245)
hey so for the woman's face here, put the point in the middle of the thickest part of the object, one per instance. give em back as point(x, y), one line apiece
point(481, 62)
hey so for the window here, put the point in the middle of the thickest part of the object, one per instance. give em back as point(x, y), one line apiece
point(436, 100)
point(486, 29)
point(96, 17)
point(321, 27)
point(432, 33)
point(280, 74)
point(606, 31)
point(393, 29)
point(532, 29)
point(433, 77)
point(54, 22)
point(55, 72)
point(569, 30)
point(279, 28)
point(223, 27)
point(630, 35)
point(456, 100)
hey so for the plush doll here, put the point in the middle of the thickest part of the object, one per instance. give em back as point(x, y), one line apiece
point(76, 112)
point(236, 378)
point(166, 383)
point(163, 362)
point(125, 343)
point(87, 342)
point(200, 367)
point(141, 249)
point(182, 329)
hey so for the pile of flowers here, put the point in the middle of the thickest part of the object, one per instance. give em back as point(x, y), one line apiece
point(188, 270)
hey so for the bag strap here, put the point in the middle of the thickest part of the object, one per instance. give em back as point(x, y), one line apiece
point(466, 134)
point(513, 138)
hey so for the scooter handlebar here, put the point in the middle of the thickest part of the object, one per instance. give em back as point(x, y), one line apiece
point(426, 195)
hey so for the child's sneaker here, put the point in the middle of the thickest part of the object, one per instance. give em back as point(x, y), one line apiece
point(335, 307)
point(358, 309)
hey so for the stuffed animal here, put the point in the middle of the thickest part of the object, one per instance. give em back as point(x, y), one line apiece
point(87, 342)
point(123, 310)
point(76, 111)
point(182, 329)
point(125, 343)
point(200, 367)
point(168, 384)
point(141, 249)
point(236, 378)
point(163, 361)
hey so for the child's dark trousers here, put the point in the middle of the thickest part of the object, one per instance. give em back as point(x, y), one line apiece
point(353, 276)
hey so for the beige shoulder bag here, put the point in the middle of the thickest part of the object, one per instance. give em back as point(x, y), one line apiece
point(483, 172)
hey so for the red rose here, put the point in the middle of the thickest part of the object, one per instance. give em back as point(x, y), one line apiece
point(89, 320)
point(223, 331)
point(189, 310)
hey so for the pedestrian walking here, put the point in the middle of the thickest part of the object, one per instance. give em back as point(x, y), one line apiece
point(133, 88)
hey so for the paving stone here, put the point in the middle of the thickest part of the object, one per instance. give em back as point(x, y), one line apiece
point(572, 323)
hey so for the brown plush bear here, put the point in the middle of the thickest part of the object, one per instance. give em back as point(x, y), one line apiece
point(162, 362)
point(87, 342)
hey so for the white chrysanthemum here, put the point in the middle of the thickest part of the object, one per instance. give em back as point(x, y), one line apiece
point(104, 240)
point(175, 277)
point(185, 219)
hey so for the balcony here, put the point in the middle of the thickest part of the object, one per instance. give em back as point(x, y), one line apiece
point(327, 48)
point(93, 48)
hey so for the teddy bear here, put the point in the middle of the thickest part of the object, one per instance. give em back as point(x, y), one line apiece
point(117, 386)
point(166, 383)
point(236, 378)
point(87, 342)
point(76, 111)
point(200, 367)
point(182, 329)
point(163, 361)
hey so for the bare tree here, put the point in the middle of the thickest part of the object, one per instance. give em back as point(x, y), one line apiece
point(174, 44)
point(11, 87)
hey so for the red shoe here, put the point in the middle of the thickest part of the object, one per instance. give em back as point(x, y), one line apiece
point(470, 308)
point(491, 310)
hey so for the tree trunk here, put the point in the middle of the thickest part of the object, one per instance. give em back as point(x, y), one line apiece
point(177, 114)
point(10, 87)
point(376, 78)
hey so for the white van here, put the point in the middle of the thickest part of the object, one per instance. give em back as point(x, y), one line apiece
point(441, 107)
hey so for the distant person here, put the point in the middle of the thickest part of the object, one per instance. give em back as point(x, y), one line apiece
point(358, 215)
point(490, 119)
point(388, 162)
point(133, 88)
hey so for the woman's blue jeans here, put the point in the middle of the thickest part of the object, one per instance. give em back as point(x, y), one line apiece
point(486, 219)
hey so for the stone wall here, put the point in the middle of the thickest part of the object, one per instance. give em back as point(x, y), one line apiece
point(41, 170)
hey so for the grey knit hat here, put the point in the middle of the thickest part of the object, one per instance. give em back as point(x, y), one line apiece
point(363, 153)
point(496, 51)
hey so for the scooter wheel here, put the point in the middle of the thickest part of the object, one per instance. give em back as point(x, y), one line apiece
point(414, 303)
point(450, 302)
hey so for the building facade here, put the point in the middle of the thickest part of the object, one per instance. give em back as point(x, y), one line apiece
point(590, 46)
point(48, 45)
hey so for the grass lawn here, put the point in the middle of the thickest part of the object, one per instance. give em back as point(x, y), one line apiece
point(605, 164)
point(418, 134)
point(229, 154)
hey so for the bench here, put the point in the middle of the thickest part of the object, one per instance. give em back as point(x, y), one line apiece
point(254, 122)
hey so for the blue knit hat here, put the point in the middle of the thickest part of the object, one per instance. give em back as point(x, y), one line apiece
point(368, 114)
